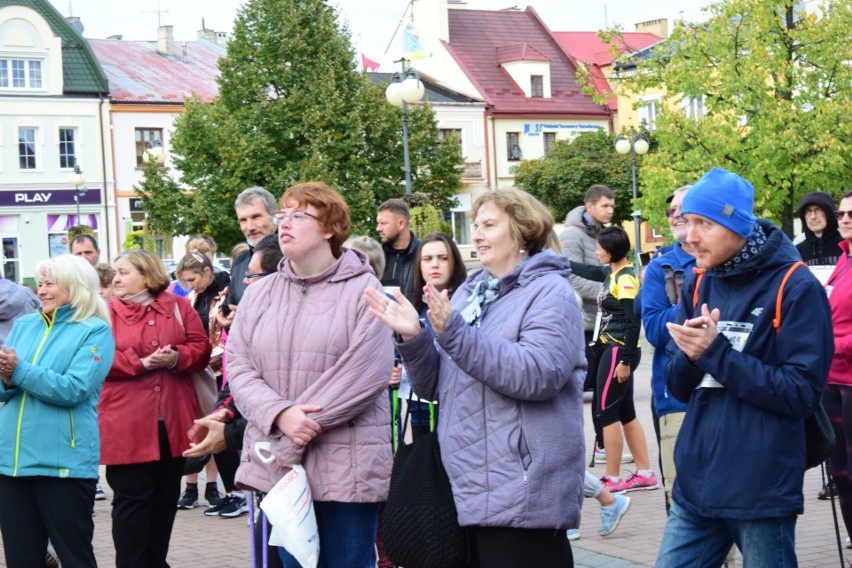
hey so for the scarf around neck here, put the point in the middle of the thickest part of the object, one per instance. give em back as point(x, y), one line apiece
point(752, 248)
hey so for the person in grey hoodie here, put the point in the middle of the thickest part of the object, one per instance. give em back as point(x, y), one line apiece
point(507, 368)
point(15, 301)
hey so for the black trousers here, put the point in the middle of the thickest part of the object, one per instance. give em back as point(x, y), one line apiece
point(144, 508)
point(503, 547)
point(35, 509)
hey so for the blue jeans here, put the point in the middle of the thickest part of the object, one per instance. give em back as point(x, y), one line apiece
point(693, 541)
point(347, 534)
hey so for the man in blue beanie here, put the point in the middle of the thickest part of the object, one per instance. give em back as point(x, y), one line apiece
point(749, 385)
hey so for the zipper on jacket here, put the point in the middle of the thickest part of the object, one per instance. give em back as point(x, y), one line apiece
point(71, 425)
point(24, 396)
point(521, 439)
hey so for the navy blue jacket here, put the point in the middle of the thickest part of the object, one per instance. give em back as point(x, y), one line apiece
point(741, 451)
point(657, 310)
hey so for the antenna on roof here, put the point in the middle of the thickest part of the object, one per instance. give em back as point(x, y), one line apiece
point(606, 18)
point(203, 27)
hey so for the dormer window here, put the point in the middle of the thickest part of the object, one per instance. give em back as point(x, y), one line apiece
point(537, 86)
point(20, 74)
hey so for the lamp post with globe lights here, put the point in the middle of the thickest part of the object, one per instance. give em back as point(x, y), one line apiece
point(405, 88)
point(76, 179)
point(634, 143)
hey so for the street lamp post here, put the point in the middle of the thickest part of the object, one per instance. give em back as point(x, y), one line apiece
point(633, 143)
point(76, 179)
point(405, 88)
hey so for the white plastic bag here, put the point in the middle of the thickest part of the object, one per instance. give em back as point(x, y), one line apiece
point(290, 510)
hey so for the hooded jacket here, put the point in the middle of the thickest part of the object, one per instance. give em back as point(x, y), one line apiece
point(313, 341)
point(751, 432)
point(824, 250)
point(48, 424)
point(657, 311)
point(578, 242)
point(511, 426)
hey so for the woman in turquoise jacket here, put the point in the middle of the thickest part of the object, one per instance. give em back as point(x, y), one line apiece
point(51, 370)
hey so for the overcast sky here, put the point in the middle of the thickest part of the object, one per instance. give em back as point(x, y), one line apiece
point(372, 22)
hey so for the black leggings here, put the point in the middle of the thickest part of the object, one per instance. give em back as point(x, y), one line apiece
point(613, 401)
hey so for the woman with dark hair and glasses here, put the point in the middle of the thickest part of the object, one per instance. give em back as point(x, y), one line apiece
point(616, 354)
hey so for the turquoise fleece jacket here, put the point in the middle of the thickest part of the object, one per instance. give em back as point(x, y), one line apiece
point(49, 422)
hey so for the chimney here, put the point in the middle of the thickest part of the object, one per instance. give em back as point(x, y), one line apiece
point(657, 27)
point(76, 23)
point(166, 40)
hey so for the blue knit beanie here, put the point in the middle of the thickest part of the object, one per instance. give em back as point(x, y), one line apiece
point(723, 197)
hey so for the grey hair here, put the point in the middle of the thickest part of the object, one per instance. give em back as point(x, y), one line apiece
point(254, 194)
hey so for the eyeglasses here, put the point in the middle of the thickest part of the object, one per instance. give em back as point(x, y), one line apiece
point(296, 217)
point(839, 215)
point(253, 275)
point(813, 211)
point(671, 211)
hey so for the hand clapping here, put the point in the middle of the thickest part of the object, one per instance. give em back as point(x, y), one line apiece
point(400, 316)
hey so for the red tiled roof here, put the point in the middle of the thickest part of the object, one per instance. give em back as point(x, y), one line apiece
point(138, 73)
point(590, 49)
point(476, 37)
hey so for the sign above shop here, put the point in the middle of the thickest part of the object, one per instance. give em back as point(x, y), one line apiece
point(38, 198)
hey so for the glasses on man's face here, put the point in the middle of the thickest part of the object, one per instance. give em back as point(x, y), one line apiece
point(839, 215)
point(296, 217)
point(671, 211)
point(812, 211)
point(253, 275)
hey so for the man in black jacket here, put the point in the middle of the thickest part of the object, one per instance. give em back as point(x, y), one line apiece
point(399, 243)
point(821, 246)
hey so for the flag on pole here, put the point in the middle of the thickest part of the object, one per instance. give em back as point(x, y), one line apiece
point(368, 64)
point(411, 47)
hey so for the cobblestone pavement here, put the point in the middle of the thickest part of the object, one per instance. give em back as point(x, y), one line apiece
point(198, 540)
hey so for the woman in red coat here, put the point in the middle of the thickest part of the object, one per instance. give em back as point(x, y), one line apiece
point(147, 404)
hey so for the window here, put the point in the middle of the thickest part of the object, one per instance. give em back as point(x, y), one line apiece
point(27, 148)
point(143, 137)
point(461, 227)
point(445, 132)
point(549, 142)
point(67, 150)
point(537, 86)
point(694, 107)
point(513, 147)
point(20, 74)
point(649, 112)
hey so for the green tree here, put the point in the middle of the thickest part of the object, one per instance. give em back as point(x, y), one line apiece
point(561, 179)
point(776, 86)
point(293, 108)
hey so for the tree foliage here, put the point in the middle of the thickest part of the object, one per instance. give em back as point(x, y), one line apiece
point(292, 108)
point(776, 85)
point(561, 179)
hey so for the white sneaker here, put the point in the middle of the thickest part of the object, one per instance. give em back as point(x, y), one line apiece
point(573, 534)
point(848, 542)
